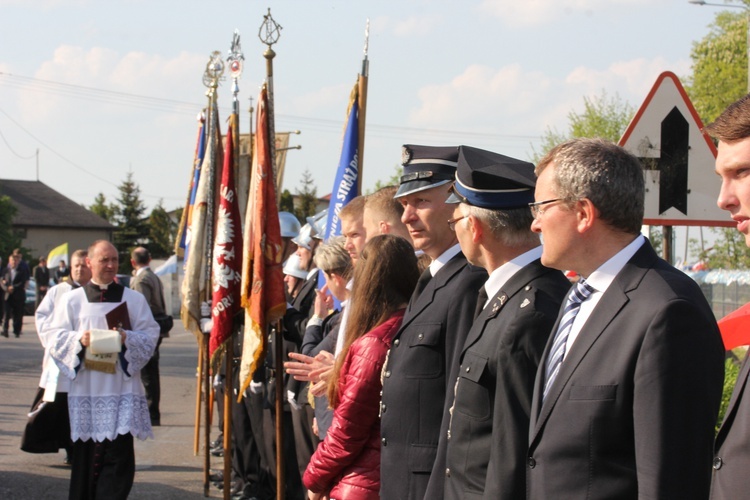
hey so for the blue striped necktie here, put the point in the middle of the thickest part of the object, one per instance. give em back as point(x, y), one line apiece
point(577, 295)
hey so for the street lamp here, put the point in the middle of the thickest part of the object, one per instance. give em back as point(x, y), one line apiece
point(735, 6)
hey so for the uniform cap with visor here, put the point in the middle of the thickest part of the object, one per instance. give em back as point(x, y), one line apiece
point(426, 167)
point(491, 180)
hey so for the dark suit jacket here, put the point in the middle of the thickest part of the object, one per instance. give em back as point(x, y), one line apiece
point(294, 323)
point(632, 411)
point(41, 276)
point(732, 460)
point(420, 372)
point(486, 452)
point(18, 296)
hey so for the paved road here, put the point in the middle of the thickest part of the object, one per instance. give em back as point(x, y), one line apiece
point(166, 467)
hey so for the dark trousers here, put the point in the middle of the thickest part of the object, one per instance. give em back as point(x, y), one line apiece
point(14, 309)
point(248, 462)
point(305, 441)
point(293, 482)
point(152, 385)
point(103, 471)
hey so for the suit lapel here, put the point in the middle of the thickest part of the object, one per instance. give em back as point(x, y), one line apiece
point(610, 304)
point(739, 388)
point(443, 276)
point(495, 306)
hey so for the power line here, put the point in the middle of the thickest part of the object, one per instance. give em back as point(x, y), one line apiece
point(13, 151)
point(186, 107)
point(59, 155)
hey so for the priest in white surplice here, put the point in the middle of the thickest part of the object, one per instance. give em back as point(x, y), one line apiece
point(106, 409)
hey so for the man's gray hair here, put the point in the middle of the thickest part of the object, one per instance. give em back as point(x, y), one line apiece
point(511, 227)
point(603, 172)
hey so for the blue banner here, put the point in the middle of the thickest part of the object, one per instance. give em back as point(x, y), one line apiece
point(347, 176)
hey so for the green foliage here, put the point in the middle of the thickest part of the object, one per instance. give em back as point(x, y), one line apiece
point(602, 117)
point(286, 202)
point(162, 232)
point(656, 237)
point(719, 65)
point(393, 180)
point(9, 240)
point(132, 228)
point(731, 371)
point(729, 250)
point(307, 197)
point(103, 209)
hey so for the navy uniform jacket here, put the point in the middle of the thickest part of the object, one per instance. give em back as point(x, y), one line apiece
point(732, 460)
point(632, 411)
point(419, 373)
point(294, 323)
point(486, 450)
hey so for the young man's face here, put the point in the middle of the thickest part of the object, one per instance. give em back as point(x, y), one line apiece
point(733, 167)
point(354, 231)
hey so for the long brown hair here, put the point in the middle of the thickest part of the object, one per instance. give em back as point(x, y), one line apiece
point(384, 279)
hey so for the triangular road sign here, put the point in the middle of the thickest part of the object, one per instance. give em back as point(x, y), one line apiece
point(678, 159)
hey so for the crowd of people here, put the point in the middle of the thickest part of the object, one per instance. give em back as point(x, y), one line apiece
point(437, 349)
point(452, 355)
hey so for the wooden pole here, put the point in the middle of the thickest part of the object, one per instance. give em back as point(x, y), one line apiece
point(198, 398)
point(362, 106)
point(207, 415)
point(228, 395)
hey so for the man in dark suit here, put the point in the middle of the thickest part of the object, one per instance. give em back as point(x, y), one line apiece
point(423, 360)
point(732, 459)
point(41, 277)
point(628, 389)
point(149, 284)
point(486, 452)
point(14, 284)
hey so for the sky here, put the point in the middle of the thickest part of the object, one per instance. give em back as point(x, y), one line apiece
point(103, 88)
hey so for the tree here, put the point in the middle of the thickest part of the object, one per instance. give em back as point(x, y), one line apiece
point(132, 229)
point(103, 209)
point(393, 180)
point(719, 65)
point(719, 78)
point(602, 117)
point(307, 197)
point(9, 240)
point(286, 202)
point(728, 252)
point(161, 232)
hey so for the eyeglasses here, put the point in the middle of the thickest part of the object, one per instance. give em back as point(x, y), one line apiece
point(452, 222)
point(536, 207)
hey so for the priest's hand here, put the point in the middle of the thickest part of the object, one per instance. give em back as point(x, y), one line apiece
point(86, 338)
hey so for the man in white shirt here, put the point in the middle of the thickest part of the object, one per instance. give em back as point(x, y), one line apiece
point(53, 389)
point(628, 390)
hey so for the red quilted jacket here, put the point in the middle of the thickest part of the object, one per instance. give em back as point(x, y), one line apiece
point(347, 462)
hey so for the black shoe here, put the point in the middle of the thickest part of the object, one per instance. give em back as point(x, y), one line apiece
point(4, 333)
point(234, 486)
point(218, 442)
point(216, 476)
point(217, 452)
point(17, 335)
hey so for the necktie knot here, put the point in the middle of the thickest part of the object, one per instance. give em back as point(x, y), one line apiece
point(580, 292)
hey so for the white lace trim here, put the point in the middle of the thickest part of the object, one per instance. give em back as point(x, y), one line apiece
point(104, 417)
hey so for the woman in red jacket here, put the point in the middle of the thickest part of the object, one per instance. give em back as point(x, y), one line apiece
point(346, 465)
